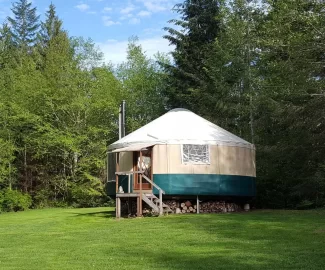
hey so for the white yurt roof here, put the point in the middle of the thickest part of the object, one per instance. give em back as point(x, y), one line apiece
point(178, 126)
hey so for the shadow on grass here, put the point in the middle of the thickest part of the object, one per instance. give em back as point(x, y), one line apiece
point(102, 214)
point(201, 257)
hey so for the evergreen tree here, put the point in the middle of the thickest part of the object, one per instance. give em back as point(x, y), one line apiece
point(7, 47)
point(24, 24)
point(52, 26)
point(291, 105)
point(199, 26)
point(232, 69)
point(6, 43)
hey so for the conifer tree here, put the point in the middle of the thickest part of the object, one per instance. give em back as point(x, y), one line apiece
point(24, 24)
point(52, 26)
point(199, 25)
point(6, 46)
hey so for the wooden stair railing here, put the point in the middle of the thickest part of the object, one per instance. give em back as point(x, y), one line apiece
point(161, 192)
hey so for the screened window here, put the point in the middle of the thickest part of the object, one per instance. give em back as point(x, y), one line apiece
point(196, 154)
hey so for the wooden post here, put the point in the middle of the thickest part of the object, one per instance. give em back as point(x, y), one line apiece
point(197, 205)
point(118, 200)
point(118, 207)
point(140, 178)
point(138, 206)
point(129, 191)
point(117, 169)
point(160, 203)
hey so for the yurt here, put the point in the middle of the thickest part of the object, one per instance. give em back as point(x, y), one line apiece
point(182, 155)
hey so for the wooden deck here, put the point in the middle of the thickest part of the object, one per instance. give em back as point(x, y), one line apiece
point(127, 195)
point(141, 195)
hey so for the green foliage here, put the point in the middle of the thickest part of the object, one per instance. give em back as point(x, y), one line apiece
point(255, 68)
point(13, 200)
point(1, 201)
point(193, 37)
point(52, 26)
point(291, 136)
point(6, 163)
point(83, 196)
point(261, 76)
point(143, 86)
point(59, 106)
point(305, 204)
point(24, 25)
point(41, 198)
point(86, 53)
point(58, 112)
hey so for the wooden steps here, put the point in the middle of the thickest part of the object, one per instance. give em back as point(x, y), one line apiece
point(149, 198)
point(165, 206)
point(149, 202)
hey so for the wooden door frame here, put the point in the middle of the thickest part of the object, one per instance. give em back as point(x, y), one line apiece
point(136, 184)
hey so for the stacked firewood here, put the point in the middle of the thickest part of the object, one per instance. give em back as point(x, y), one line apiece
point(173, 204)
point(218, 207)
point(205, 207)
point(186, 207)
point(183, 207)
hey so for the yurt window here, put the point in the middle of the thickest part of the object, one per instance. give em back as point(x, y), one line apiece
point(195, 154)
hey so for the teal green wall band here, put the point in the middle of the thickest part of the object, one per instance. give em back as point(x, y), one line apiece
point(196, 184)
point(206, 184)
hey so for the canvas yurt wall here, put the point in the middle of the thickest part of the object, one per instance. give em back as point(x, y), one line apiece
point(229, 171)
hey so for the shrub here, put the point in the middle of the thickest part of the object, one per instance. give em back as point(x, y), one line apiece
point(305, 204)
point(1, 201)
point(41, 199)
point(14, 200)
point(82, 197)
point(108, 201)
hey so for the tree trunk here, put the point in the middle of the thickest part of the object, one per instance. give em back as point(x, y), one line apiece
point(25, 169)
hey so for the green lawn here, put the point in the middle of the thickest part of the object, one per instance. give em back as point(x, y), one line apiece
point(93, 239)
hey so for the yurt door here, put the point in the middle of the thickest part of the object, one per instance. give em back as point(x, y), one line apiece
point(146, 166)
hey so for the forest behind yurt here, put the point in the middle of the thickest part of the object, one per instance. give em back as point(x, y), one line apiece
point(255, 69)
point(162, 134)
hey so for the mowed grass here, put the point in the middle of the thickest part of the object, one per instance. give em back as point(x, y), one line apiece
point(93, 239)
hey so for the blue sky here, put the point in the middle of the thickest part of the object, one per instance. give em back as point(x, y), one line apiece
point(109, 23)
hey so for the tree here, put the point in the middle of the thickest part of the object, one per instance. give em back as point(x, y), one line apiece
point(262, 78)
point(7, 155)
point(24, 25)
point(6, 44)
point(289, 133)
point(231, 68)
point(58, 111)
point(199, 26)
point(86, 53)
point(143, 86)
point(52, 26)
